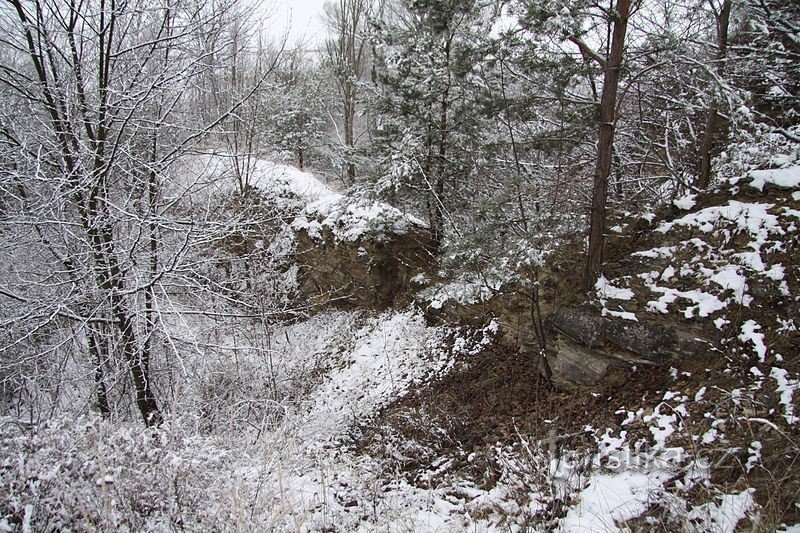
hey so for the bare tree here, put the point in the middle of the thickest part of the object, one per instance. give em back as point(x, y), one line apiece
point(346, 52)
point(714, 121)
point(244, 57)
point(104, 84)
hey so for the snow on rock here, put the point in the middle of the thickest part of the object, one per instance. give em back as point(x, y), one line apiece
point(217, 172)
point(729, 277)
point(348, 218)
point(624, 315)
point(268, 175)
point(351, 219)
point(788, 177)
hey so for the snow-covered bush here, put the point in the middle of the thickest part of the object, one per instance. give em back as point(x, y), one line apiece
point(85, 473)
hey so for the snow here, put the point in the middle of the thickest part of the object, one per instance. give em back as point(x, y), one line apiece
point(725, 515)
point(662, 425)
point(623, 485)
point(269, 175)
point(686, 203)
point(391, 353)
point(350, 220)
point(752, 218)
point(609, 499)
point(349, 365)
point(786, 388)
point(750, 333)
point(605, 289)
point(661, 251)
point(754, 455)
point(730, 278)
point(465, 291)
point(625, 315)
point(720, 272)
point(215, 173)
point(345, 367)
point(705, 303)
point(788, 177)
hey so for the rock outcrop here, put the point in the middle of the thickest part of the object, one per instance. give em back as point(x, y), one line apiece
point(717, 274)
point(357, 253)
point(590, 348)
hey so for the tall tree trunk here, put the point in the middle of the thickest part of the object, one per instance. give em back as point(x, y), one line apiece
point(152, 237)
point(110, 281)
point(714, 122)
point(349, 137)
point(437, 226)
point(98, 350)
point(605, 145)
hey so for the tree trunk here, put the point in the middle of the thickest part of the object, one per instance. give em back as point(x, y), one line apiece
point(437, 227)
point(110, 281)
point(98, 350)
point(605, 145)
point(714, 122)
point(349, 137)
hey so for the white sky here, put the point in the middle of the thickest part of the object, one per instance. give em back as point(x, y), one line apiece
point(303, 18)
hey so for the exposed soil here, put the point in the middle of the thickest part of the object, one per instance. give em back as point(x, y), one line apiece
point(493, 399)
point(496, 398)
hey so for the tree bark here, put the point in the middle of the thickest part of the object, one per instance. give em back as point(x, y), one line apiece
point(714, 122)
point(349, 139)
point(98, 350)
point(605, 145)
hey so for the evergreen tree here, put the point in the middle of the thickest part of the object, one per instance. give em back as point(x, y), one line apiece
point(426, 63)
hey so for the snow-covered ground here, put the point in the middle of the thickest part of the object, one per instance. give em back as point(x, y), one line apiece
point(348, 218)
point(263, 427)
point(299, 469)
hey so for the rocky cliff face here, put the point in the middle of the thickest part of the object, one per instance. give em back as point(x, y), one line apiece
point(711, 275)
point(357, 253)
point(716, 275)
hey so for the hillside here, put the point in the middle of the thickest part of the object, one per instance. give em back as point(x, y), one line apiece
point(512, 265)
point(672, 404)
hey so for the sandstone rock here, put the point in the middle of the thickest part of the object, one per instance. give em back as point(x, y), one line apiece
point(576, 364)
point(587, 344)
point(651, 342)
point(582, 325)
point(363, 272)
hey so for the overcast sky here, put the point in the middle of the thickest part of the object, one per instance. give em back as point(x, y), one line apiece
point(303, 18)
